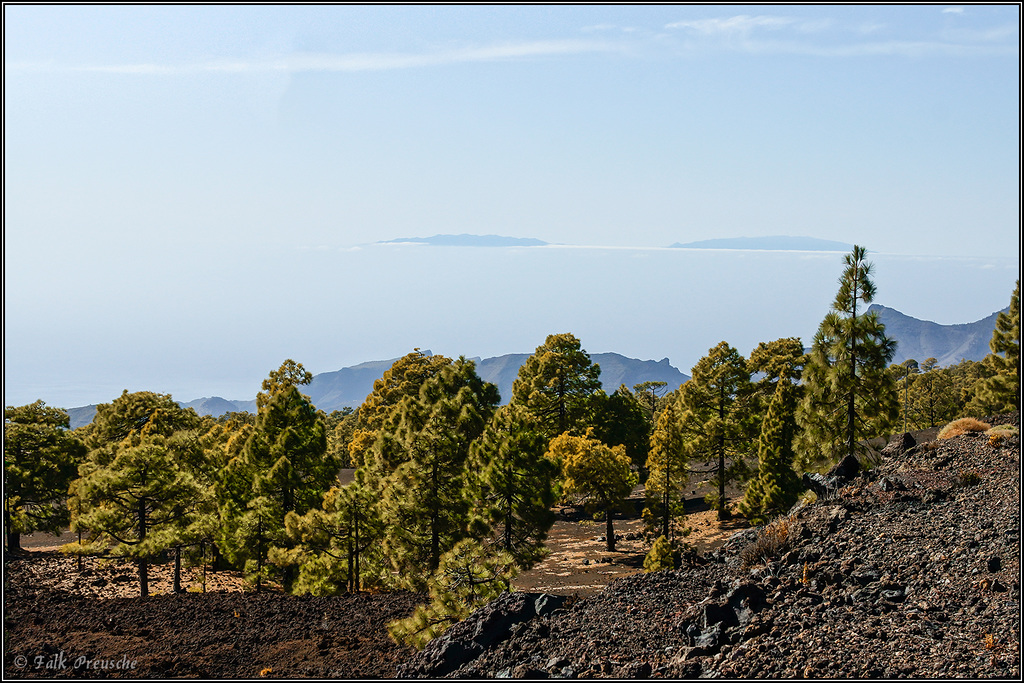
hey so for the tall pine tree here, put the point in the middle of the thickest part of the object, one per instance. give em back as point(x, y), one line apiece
point(557, 384)
point(849, 393)
point(716, 419)
point(999, 390)
point(776, 486)
point(668, 469)
point(425, 501)
point(283, 467)
point(515, 484)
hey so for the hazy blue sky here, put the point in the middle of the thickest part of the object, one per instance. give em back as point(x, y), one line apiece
point(191, 192)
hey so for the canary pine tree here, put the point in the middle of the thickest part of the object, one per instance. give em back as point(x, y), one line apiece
point(667, 467)
point(283, 467)
point(137, 489)
point(515, 484)
point(556, 384)
point(41, 459)
point(600, 475)
point(849, 394)
point(775, 487)
point(999, 390)
point(139, 501)
point(425, 501)
point(716, 417)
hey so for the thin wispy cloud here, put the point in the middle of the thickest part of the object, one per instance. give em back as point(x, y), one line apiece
point(766, 34)
point(356, 62)
point(953, 10)
point(752, 34)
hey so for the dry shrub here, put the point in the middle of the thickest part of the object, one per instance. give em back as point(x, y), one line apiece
point(969, 478)
point(772, 542)
point(962, 426)
point(999, 433)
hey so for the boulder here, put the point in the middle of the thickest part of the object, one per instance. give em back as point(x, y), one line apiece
point(846, 469)
point(898, 445)
point(468, 639)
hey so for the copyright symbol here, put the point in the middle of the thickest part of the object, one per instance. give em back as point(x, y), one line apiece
point(21, 661)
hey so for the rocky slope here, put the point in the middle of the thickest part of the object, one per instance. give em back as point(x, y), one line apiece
point(911, 569)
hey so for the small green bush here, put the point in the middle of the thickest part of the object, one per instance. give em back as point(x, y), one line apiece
point(660, 557)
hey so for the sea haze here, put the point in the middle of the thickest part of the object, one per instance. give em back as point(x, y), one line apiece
point(330, 308)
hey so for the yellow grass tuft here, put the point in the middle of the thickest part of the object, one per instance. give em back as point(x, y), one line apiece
point(962, 426)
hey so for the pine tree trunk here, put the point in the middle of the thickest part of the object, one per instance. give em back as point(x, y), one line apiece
point(351, 566)
point(668, 479)
point(721, 456)
point(435, 535)
point(13, 537)
point(177, 569)
point(355, 576)
point(609, 531)
point(143, 564)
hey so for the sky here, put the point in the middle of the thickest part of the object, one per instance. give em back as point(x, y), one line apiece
point(193, 194)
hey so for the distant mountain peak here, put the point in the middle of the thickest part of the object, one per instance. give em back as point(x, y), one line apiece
point(923, 339)
point(466, 240)
point(775, 243)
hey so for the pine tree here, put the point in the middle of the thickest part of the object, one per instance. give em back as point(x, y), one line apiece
point(283, 467)
point(138, 499)
point(556, 384)
point(337, 545)
point(716, 419)
point(137, 487)
point(425, 501)
point(849, 393)
point(600, 475)
point(668, 469)
point(515, 484)
point(934, 396)
point(999, 390)
point(776, 486)
point(468, 576)
point(41, 459)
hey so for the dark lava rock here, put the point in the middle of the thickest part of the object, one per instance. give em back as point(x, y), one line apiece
point(898, 445)
point(847, 468)
point(488, 625)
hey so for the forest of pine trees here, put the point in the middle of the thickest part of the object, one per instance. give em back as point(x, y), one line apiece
point(453, 494)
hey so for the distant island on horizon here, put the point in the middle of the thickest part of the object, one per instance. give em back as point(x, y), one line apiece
point(775, 243)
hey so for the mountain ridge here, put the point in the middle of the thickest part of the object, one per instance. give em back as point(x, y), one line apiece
point(947, 344)
point(349, 386)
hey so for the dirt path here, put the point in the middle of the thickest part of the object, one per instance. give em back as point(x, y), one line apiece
point(579, 562)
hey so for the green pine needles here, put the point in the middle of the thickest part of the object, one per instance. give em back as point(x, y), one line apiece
point(849, 394)
point(469, 575)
